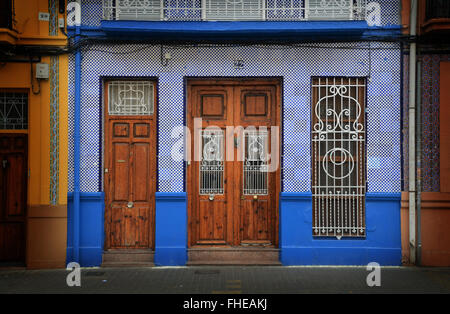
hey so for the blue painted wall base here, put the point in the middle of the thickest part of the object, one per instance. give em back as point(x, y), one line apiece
point(171, 229)
point(382, 243)
point(91, 228)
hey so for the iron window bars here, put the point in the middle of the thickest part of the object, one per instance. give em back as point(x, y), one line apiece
point(13, 111)
point(131, 98)
point(338, 157)
point(232, 10)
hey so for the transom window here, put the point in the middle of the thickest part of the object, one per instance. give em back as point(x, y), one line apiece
point(13, 111)
point(338, 157)
point(131, 98)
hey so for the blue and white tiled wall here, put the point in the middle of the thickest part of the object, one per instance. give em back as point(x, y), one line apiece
point(379, 62)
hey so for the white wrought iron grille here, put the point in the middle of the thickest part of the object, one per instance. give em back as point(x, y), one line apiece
point(338, 157)
point(234, 9)
point(13, 111)
point(334, 9)
point(212, 163)
point(132, 9)
point(131, 98)
point(197, 10)
point(255, 163)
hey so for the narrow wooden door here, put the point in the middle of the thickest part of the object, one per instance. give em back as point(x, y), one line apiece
point(258, 185)
point(13, 196)
point(212, 180)
point(232, 196)
point(130, 179)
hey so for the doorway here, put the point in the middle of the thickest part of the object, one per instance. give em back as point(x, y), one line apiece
point(233, 198)
point(130, 165)
point(13, 196)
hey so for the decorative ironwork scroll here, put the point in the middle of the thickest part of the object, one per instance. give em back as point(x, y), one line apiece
point(131, 98)
point(255, 163)
point(212, 163)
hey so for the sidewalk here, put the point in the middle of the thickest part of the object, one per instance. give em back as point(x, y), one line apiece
point(228, 279)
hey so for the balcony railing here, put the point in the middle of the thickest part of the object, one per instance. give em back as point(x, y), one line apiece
point(234, 10)
point(437, 9)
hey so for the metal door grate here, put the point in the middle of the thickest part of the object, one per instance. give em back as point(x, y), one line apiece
point(255, 163)
point(212, 163)
point(338, 157)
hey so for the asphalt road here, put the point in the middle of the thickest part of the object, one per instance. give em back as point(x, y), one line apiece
point(228, 280)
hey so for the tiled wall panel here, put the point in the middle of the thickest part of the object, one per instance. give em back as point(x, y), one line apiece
point(379, 62)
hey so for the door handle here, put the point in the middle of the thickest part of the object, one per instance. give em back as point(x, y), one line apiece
point(130, 205)
point(4, 163)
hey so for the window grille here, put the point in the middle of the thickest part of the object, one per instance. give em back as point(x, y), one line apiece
point(212, 162)
point(131, 98)
point(13, 111)
point(338, 157)
point(255, 163)
point(230, 10)
point(234, 9)
point(333, 9)
point(132, 9)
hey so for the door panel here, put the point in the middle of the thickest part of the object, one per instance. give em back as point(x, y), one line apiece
point(212, 221)
point(121, 162)
point(15, 198)
point(13, 193)
point(141, 173)
point(255, 221)
point(244, 212)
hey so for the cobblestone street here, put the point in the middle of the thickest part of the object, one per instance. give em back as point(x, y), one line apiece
point(228, 280)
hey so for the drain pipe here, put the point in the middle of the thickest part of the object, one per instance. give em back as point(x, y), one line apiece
point(412, 135)
point(419, 157)
point(76, 138)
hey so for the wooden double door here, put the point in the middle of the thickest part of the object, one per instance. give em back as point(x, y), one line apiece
point(13, 196)
point(232, 183)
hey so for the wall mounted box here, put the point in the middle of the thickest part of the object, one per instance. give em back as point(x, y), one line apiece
point(42, 71)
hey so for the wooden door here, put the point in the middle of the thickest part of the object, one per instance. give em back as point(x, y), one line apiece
point(13, 196)
point(231, 202)
point(257, 193)
point(130, 180)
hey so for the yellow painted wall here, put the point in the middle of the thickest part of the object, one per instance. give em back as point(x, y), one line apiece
point(46, 223)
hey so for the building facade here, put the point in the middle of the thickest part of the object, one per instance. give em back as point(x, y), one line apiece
point(33, 134)
point(227, 132)
point(432, 142)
